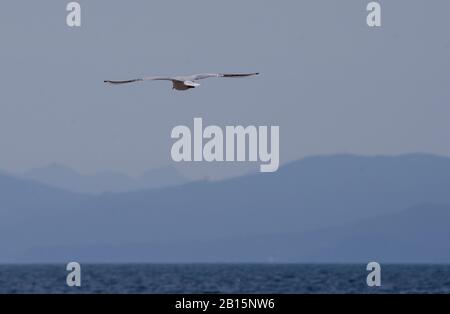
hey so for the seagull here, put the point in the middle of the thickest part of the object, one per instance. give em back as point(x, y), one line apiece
point(182, 82)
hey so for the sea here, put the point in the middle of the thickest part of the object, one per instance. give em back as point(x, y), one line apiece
point(224, 278)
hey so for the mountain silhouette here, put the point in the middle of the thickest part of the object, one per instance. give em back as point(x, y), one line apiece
point(311, 194)
point(64, 177)
point(415, 235)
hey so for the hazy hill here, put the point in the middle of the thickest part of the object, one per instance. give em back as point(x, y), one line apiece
point(307, 195)
point(64, 177)
point(416, 235)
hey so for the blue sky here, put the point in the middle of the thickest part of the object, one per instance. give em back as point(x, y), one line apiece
point(332, 84)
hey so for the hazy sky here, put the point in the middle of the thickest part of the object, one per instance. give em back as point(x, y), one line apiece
point(330, 82)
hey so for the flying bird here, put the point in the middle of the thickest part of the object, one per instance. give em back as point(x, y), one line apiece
point(182, 82)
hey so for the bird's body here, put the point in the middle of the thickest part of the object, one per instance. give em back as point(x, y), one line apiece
point(183, 85)
point(182, 82)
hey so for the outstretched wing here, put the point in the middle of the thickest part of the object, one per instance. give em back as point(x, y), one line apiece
point(150, 78)
point(239, 74)
point(209, 75)
point(191, 78)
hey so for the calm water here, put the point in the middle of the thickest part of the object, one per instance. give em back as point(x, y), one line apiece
point(237, 278)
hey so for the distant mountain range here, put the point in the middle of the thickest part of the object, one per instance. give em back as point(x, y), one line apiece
point(340, 208)
point(416, 235)
point(63, 177)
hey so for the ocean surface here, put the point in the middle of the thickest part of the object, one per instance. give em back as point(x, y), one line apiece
point(228, 278)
